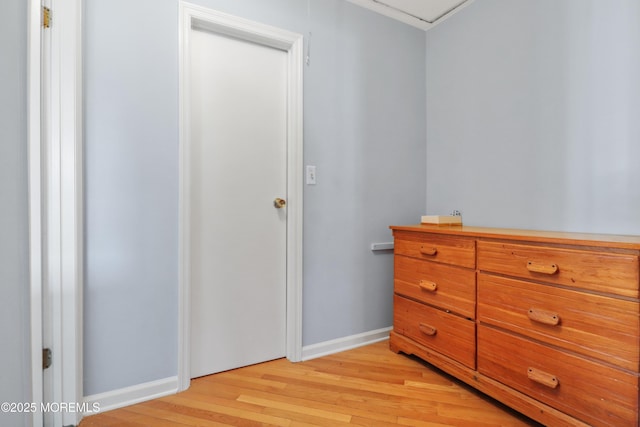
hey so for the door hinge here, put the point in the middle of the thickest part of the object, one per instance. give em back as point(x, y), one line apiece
point(46, 17)
point(46, 358)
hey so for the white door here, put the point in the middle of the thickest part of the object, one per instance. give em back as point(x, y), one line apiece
point(238, 167)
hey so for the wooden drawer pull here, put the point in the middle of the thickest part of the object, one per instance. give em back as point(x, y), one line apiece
point(543, 316)
point(428, 286)
point(431, 251)
point(542, 268)
point(543, 378)
point(428, 330)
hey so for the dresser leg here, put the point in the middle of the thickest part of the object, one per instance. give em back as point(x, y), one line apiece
point(392, 344)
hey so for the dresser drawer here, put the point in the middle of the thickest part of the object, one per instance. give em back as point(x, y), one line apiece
point(458, 251)
point(597, 271)
point(594, 393)
point(447, 287)
point(443, 332)
point(599, 327)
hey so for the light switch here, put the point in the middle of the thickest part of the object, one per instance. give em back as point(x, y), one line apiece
point(311, 175)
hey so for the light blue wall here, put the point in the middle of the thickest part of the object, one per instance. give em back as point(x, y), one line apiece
point(364, 130)
point(364, 96)
point(14, 258)
point(533, 115)
point(131, 193)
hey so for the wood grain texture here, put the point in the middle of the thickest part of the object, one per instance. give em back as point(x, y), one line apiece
point(448, 287)
point(598, 271)
point(458, 251)
point(451, 335)
point(558, 321)
point(602, 328)
point(541, 412)
point(535, 236)
point(592, 392)
point(368, 386)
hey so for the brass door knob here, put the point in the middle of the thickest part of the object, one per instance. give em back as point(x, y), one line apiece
point(279, 203)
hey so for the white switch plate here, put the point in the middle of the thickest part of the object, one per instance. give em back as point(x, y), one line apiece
point(311, 175)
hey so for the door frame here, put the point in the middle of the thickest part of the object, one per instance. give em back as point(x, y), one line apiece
point(56, 203)
point(35, 203)
point(194, 16)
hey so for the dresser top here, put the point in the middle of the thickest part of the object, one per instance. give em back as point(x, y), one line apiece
point(557, 237)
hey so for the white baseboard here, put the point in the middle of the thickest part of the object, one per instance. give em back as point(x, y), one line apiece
point(346, 343)
point(160, 388)
point(131, 395)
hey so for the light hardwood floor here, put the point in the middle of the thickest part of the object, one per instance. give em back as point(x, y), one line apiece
point(367, 386)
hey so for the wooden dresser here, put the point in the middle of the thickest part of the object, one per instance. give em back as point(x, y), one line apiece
point(547, 323)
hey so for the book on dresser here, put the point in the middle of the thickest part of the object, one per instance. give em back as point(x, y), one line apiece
point(546, 322)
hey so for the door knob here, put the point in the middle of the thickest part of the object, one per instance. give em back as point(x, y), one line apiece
point(279, 203)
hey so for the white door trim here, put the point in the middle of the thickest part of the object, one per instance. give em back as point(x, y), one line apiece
point(66, 267)
point(55, 204)
point(35, 204)
point(193, 16)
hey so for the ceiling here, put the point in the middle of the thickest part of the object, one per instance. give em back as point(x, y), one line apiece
point(423, 14)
